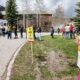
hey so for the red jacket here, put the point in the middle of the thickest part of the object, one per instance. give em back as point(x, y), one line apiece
point(71, 28)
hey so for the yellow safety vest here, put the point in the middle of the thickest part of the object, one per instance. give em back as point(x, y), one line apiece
point(9, 28)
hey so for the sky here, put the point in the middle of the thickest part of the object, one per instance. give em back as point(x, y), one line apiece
point(68, 5)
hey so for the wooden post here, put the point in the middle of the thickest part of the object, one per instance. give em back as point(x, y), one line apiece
point(32, 51)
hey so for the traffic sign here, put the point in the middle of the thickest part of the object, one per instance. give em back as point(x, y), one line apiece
point(30, 34)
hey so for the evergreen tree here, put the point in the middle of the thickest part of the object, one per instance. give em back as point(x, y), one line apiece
point(77, 18)
point(11, 12)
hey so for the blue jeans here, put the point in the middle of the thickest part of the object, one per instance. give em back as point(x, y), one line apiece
point(67, 34)
point(9, 35)
point(39, 36)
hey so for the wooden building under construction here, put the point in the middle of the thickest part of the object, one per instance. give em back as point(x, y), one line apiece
point(37, 20)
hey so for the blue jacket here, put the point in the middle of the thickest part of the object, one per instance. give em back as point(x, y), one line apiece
point(52, 29)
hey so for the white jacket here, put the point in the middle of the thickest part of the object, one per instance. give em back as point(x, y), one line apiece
point(67, 28)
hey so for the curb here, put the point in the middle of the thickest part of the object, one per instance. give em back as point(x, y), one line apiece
point(9, 68)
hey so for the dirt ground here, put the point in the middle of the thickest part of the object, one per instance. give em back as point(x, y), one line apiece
point(55, 62)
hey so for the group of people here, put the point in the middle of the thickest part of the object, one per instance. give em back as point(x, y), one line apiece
point(14, 30)
point(20, 29)
point(68, 31)
point(11, 30)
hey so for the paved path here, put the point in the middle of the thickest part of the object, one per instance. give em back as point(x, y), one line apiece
point(7, 50)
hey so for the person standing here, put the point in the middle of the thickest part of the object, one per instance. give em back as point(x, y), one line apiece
point(63, 31)
point(74, 31)
point(67, 31)
point(3, 31)
point(15, 32)
point(39, 33)
point(34, 31)
point(9, 32)
point(71, 31)
point(52, 31)
point(58, 30)
point(21, 31)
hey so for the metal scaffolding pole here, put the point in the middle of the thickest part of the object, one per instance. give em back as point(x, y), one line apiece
point(37, 20)
point(24, 20)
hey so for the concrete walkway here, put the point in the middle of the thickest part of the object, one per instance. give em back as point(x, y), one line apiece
point(7, 50)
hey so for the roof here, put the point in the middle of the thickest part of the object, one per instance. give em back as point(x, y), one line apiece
point(2, 8)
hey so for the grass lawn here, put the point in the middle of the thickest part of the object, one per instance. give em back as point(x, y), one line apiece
point(23, 69)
